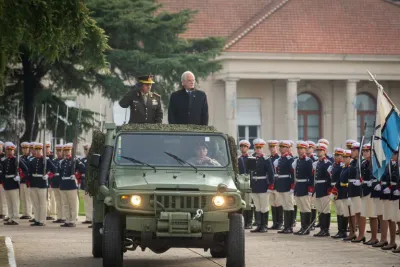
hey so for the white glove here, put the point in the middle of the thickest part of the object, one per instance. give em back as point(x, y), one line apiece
point(73, 177)
point(396, 192)
point(17, 178)
point(378, 187)
point(269, 191)
point(332, 197)
point(386, 191)
point(357, 183)
point(291, 191)
point(45, 177)
point(369, 183)
point(310, 194)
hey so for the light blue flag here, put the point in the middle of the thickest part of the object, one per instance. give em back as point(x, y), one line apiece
point(387, 133)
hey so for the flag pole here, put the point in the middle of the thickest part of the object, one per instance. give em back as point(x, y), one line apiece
point(380, 87)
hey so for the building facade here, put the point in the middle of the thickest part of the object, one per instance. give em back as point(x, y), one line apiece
point(297, 69)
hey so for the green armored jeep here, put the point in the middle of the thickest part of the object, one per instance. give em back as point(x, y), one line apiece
point(166, 186)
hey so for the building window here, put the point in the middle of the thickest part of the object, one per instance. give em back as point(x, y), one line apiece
point(366, 111)
point(248, 119)
point(309, 117)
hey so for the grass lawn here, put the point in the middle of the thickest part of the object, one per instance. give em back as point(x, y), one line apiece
point(3, 252)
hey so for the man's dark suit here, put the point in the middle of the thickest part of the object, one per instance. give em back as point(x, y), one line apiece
point(188, 108)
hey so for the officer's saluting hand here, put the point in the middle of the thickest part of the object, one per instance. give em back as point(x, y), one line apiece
point(145, 105)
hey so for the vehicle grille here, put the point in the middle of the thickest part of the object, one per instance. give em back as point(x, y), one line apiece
point(182, 202)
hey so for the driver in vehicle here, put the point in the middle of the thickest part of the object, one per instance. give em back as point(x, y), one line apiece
point(201, 156)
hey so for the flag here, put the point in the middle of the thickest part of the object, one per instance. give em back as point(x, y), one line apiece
point(387, 133)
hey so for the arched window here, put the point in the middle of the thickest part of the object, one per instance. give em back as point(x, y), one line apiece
point(366, 111)
point(309, 117)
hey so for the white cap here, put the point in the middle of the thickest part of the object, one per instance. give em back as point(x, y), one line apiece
point(301, 144)
point(10, 145)
point(259, 141)
point(244, 142)
point(323, 141)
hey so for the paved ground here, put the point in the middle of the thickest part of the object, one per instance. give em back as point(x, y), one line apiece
point(53, 246)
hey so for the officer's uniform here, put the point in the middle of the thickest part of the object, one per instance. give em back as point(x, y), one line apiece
point(276, 207)
point(304, 187)
point(3, 199)
point(87, 200)
point(70, 171)
point(313, 157)
point(242, 164)
point(26, 203)
point(145, 108)
point(55, 184)
point(335, 170)
point(284, 185)
point(354, 192)
point(323, 189)
point(341, 201)
point(368, 207)
point(260, 179)
point(11, 179)
point(51, 202)
point(39, 186)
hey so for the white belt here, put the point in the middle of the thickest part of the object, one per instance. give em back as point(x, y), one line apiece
point(68, 178)
point(373, 181)
point(276, 175)
point(57, 174)
point(320, 181)
point(333, 184)
point(393, 183)
point(301, 180)
point(259, 177)
point(10, 176)
point(37, 175)
point(284, 176)
point(383, 183)
point(352, 180)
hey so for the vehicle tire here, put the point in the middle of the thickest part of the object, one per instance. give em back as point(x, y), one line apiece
point(235, 241)
point(112, 240)
point(97, 242)
point(218, 253)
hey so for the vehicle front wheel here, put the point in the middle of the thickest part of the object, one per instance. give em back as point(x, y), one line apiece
point(97, 241)
point(235, 241)
point(112, 241)
point(218, 253)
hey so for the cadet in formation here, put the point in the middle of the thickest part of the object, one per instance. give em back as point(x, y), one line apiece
point(26, 203)
point(276, 207)
point(55, 183)
point(87, 200)
point(244, 146)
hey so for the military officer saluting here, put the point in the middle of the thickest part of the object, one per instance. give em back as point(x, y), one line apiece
point(323, 189)
point(260, 179)
point(26, 204)
point(12, 176)
point(145, 105)
point(242, 163)
point(304, 186)
point(284, 185)
point(276, 207)
point(70, 171)
point(39, 184)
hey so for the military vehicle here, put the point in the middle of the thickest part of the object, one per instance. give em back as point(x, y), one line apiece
point(167, 186)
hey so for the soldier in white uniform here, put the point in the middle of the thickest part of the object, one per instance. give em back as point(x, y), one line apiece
point(276, 207)
point(26, 203)
point(3, 199)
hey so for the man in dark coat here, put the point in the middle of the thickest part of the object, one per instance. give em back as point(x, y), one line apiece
point(188, 105)
point(145, 105)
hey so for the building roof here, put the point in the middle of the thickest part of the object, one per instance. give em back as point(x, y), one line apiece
point(368, 27)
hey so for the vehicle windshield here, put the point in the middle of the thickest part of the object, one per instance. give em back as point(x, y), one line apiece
point(171, 150)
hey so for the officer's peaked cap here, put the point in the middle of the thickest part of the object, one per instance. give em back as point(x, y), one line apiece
point(244, 142)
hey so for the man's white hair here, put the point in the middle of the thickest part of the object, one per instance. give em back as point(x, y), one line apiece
point(183, 77)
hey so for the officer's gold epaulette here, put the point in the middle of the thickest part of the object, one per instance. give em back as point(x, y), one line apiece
point(156, 94)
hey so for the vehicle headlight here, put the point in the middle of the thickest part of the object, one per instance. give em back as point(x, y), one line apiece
point(125, 199)
point(136, 200)
point(218, 201)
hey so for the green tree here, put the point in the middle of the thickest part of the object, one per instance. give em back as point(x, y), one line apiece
point(144, 39)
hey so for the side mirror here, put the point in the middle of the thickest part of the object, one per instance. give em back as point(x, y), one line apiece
point(95, 160)
point(251, 164)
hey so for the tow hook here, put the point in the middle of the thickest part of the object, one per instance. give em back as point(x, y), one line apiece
point(199, 214)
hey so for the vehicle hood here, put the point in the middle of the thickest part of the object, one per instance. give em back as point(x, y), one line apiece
point(150, 180)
